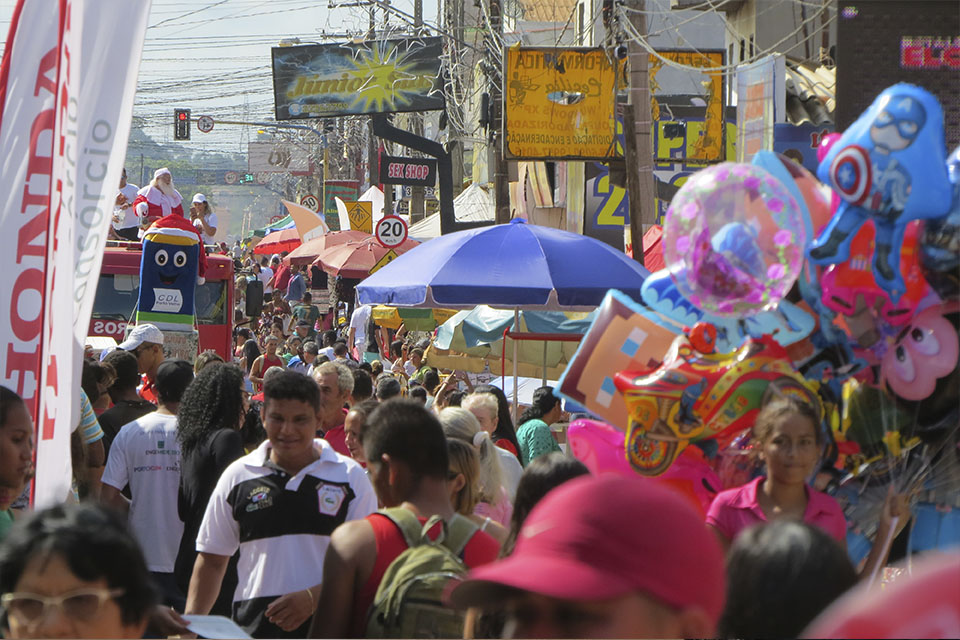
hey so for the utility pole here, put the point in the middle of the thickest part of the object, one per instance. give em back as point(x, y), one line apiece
point(638, 154)
point(417, 212)
point(501, 180)
point(373, 168)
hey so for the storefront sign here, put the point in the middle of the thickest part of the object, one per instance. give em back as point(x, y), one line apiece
point(560, 103)
point(387, 76)
point(421, 172)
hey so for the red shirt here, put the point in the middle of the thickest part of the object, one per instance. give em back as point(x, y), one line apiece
point(337, 438)
point(282, 277)
point(505, 444)
point(148, 390)
point(480, 549)
point(735, 509)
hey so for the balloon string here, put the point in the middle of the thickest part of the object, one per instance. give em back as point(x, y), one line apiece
point(887, 542)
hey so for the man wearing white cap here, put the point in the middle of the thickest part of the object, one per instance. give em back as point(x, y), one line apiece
point(158, 199)
point(203, 218)
point(146, 343)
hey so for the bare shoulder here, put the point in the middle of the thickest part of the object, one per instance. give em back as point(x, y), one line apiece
point(354, 539)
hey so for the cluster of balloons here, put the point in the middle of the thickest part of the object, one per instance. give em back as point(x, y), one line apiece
point(849, 277)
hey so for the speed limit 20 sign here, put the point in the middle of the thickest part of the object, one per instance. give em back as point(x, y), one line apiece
point(391, 231)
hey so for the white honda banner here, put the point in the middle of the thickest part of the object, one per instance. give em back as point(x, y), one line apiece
point(66, 98)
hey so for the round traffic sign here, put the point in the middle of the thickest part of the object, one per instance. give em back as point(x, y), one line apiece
point(205, 124)
point(391, 231)
point(231, 177)
point(311, 202)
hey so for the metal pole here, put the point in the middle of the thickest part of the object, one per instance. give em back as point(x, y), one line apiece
point(501, 179)
point(639, 164)
point(417, 212)
point(544, 364)
point(516, 381)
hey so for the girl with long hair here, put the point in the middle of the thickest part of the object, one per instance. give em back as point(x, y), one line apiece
point(212, 411)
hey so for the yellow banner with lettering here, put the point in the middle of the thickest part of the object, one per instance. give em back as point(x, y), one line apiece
point(560, 103)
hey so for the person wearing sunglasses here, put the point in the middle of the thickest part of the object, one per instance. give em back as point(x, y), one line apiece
point(73, 571)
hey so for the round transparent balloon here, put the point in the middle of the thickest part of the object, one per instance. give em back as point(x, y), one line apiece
point(734, 239)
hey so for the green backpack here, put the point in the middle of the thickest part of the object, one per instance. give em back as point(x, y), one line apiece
point(409, 600)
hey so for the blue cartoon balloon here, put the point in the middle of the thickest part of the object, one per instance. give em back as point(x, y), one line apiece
point(889, 167)
point(168, 278)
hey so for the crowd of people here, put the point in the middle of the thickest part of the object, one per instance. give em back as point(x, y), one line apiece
point(284, 495)
point(325, 481)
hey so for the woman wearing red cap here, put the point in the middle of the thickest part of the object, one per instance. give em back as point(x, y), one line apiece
point(788, 440)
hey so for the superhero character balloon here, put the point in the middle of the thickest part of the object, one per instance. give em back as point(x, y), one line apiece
point(168, 277)
point(889, 167)
point(693, 396)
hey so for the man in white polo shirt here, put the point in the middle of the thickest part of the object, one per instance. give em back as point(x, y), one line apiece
point(278, 506)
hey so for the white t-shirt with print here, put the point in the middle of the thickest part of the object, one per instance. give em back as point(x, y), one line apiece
point(146, 455)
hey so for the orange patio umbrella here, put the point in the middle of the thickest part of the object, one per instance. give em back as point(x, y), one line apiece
point(355, 259)
point(279, 241)
point(309, 250)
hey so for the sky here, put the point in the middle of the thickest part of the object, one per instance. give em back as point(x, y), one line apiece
point(213, 57)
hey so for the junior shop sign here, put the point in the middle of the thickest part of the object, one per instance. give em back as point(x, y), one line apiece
point(417, 172)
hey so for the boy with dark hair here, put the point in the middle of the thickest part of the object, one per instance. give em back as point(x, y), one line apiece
point(388, 387)
point(127, 404)
point(362, 387)
point(278, 505)
point(407, 461)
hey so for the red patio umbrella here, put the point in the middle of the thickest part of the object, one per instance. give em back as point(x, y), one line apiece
point(279, 241)
point(355, 259)
point(309, 250)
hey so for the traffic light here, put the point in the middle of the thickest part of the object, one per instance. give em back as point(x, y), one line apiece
point(246, 178)
point(181, 124)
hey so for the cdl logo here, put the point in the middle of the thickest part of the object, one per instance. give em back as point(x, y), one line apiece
point(108, 327)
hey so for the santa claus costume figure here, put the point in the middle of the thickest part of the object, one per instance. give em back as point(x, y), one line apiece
point(158, 199)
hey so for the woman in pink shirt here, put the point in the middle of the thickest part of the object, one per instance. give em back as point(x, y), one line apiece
point(788, 441)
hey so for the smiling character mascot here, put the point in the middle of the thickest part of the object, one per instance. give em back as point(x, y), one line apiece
point(173, 264)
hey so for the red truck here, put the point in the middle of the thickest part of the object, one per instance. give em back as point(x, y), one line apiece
point(120, 284)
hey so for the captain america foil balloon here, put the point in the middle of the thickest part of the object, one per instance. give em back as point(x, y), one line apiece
point(888, 167)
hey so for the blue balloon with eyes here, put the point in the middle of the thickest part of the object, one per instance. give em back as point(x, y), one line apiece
point(889, 167)
point(168, 278)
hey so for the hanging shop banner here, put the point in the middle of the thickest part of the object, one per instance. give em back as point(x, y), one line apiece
point(761, 103)
point(709, 142)
point(559, 103)
point(417, 172)
point(346, 190)
point(277, 157)
point(386, 76)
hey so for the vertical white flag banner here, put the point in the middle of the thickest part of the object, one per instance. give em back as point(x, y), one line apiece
point(112, 43)
point(28, 96)
point(64, 121)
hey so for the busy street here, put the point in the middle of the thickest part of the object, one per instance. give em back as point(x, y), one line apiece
point(493, 319)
